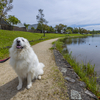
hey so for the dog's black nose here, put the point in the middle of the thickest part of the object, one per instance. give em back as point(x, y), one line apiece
point(18, 41)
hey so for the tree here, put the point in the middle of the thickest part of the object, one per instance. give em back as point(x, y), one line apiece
point(32, 28)
point(69, 31)
point(26, 25)
point(70, 28)
point(45, 28)
point(41, 20)
point(13, 20)
point(51, 29)
point(75, 30)
point(5, 6)
point(60, 27)
point(39, 27)
point(82, 30)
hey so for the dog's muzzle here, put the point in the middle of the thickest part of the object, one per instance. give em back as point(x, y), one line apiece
point(18, 45)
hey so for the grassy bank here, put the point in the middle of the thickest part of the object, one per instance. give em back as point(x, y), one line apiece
point(85, 72)
point(7, 37)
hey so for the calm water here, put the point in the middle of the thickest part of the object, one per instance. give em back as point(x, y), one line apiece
point(86, 50)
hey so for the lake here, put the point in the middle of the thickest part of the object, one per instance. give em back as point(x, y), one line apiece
point(86, 49)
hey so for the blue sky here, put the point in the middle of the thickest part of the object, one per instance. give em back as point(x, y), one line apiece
point(75, 13)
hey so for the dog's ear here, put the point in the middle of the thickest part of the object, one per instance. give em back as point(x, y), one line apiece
point(27, 42)
point(15, 39)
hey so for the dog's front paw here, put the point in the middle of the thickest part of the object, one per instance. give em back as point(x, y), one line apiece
point(19, 87)
point(39, 77)
point(29, 85)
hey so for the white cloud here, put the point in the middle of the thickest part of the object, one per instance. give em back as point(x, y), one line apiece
point(67, 12)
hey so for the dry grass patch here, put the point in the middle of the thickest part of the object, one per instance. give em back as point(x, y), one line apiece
point(58, 88)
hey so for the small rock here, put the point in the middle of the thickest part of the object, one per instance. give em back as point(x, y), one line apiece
point(59, 60)
point(63, 70)
point(90, 94)
point(70, 79)
point(75, 95)
point(82, 84)
point(71, 69)
point(68, 66)
point(76, 75)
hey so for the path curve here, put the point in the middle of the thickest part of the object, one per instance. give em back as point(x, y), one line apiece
point(39, 89)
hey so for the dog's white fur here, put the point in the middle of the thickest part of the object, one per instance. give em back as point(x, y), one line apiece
point(25, 62)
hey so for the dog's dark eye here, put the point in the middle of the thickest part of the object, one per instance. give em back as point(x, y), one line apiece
point(22, 40)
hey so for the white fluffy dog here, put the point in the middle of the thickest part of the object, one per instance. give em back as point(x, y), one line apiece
point(25, 62)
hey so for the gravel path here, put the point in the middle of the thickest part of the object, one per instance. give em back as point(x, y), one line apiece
point(44, 89)
point(41, 89)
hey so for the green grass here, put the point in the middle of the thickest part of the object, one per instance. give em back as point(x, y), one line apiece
point(85, 72)
point(7, 37)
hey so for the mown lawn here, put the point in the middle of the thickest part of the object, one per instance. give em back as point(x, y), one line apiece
point(7, 37)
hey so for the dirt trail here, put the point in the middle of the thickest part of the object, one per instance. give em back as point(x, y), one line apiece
point(40, 89)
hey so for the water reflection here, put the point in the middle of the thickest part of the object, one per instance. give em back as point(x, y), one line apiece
point(74, 41)
point(85, 49)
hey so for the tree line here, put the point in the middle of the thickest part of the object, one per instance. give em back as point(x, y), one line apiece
point(61, 28)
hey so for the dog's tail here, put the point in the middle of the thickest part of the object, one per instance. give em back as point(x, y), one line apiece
point(38, 71)
point(40, 68)
point(41, 65)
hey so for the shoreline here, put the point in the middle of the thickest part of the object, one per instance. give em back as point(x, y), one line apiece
point(73, 80)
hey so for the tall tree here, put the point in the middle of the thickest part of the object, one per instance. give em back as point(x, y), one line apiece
point(5, 6)
point(41, 20)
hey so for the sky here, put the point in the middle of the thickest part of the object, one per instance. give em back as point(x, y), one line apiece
point(73, 13)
